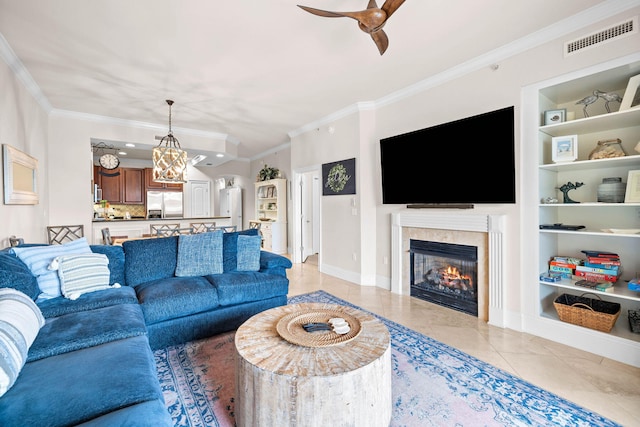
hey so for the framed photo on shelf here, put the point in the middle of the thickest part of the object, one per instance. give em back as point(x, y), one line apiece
point(632, 194)
point(551, 117)
point(564, 148)
point(631, 97)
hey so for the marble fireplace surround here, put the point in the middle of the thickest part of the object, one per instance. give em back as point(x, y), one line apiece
point(453, 226)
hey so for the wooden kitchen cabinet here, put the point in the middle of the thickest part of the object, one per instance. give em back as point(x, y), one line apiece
point(133, 192)
point(110, 181)
point(121, 185)
point(150, 184)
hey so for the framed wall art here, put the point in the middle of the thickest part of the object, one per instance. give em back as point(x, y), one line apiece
point(564, 148)
point(551, 117)
point(20, 177)
point(631, 97)
point(632, 194)
point(339, 177)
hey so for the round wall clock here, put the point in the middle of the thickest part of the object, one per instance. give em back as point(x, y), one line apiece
point(109, 161)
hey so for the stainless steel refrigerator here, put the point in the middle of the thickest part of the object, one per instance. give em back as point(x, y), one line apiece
point(169, 203)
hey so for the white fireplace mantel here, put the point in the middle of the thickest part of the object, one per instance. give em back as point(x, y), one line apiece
point(459, 221)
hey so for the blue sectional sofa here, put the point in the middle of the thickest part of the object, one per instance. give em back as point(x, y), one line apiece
point(91, 362)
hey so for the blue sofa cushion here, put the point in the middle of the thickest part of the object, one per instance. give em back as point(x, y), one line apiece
point(115, 253)
point(249, 253)
point(199, 254)
point(164, 299)
point(240, 287)
point(230, 247)
point(59, 306)
point(38, 259)
point(75, 331)
point(72, 388)
point(150, 259)
point(152, 413)
point(15, 274)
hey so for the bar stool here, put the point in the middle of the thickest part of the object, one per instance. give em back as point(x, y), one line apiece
point(59, 234)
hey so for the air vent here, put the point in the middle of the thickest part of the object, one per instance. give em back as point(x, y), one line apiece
point(597, 38)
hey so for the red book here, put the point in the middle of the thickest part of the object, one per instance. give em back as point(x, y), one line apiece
point(563, 264)
point(598, 277)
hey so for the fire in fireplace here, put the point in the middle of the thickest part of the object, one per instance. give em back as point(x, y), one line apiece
point(445, 274)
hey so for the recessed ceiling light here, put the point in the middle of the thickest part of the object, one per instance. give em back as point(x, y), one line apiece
point(122, 153)
point(130, 145)
point(219, 155)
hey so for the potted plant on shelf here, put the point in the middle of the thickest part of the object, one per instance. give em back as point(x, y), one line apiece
point(267, 173)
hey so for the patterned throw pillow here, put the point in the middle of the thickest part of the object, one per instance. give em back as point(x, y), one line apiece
point(249, 253)
point(20, 322)
point(38, 259)
point(200, 254)
point(80, 274)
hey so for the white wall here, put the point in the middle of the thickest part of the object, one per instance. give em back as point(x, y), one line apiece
point(23, 125)
point(452, 97)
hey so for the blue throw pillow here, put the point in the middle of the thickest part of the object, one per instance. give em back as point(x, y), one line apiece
point(200, 254)
point(230, 247)
point(149, 259)
point(38, 259)
point(15, 274)
point(249, 253)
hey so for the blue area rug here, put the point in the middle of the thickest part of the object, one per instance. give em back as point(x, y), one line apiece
point(433, 385)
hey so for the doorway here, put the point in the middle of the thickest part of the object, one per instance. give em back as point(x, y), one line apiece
point(306, 224)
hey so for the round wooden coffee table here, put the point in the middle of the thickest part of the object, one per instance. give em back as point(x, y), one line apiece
point(286, 376)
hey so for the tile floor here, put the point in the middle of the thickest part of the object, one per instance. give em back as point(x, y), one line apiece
point(607, 387)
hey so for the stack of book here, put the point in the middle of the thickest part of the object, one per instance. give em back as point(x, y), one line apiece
point(601, 268)
point(564, 266)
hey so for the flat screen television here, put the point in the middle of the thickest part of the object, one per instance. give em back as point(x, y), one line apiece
point(468, 161)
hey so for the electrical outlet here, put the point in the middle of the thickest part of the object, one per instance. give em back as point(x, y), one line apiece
point(385, 260)
point(355, 256)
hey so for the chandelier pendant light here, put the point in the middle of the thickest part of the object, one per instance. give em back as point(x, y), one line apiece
point(169, 160)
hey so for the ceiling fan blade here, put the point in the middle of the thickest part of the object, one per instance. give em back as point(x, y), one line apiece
point(325, 13)
point(381, 40)
point(391, 6)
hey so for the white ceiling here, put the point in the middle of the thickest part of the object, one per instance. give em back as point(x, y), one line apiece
point(252, 71)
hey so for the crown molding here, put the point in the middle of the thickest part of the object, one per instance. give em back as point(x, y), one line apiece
point(20, 71)
point(141, 125)
point(271, 151)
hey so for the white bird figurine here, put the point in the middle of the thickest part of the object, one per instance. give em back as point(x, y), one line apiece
point(608, 97)
point(588, 101)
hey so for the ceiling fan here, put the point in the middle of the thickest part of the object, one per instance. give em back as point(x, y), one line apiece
point(371, 20)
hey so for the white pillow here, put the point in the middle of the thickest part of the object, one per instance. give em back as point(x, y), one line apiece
point(38, 259)
point(80, 274)
point(20, 322)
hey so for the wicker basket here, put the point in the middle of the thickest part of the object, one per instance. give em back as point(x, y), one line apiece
point(634, 321)
point(591, 313)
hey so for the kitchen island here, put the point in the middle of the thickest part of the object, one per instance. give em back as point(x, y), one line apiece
point(136, 227)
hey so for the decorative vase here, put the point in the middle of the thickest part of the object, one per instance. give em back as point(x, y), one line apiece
point(612, 190)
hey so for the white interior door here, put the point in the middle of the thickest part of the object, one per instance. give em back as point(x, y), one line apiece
point(200, 199)
point(310, 187)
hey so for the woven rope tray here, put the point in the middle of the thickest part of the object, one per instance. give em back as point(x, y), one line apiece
point(290, 328)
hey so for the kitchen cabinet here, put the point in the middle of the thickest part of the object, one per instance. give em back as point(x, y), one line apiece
point(133, 186)
point(150, 184)
point(121, 185)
